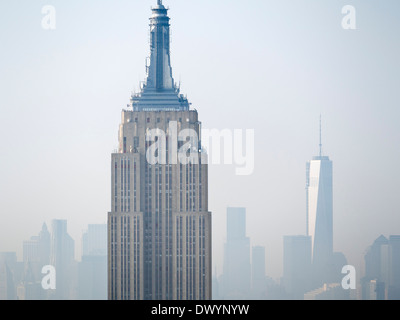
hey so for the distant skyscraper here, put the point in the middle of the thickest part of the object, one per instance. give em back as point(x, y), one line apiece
point(320, 214)
point(94, 240)
point(62, 258)
point(36, 251)
point(296, 266)
point(36, 255)
point(382, 269)
point(30, 287)
point(8, 263)
point(237, 271)
point(92, 284)
point(394, 268)
point(258, 277)
point(376, 270)
point(372, 290)
point(159, 229)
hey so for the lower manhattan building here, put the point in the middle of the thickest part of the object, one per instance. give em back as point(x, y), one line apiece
point(159, 227)
point(297, 266)
point(382, 270)
point(319, 199)
point(236, 280)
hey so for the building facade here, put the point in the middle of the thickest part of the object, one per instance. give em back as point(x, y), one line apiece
point(320, 216)
point(382, 269)
point(94, 240)
point(297, 266)
point(36, 255)
point(258, 276)
point(159, 227)
point(8, 275)
point(92, 269)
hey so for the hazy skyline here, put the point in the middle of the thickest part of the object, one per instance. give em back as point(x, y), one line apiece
point(264, 65)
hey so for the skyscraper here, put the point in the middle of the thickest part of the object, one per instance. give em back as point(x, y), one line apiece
point(236, 280)
point(376, 270)
point(320, 214)
point(92, 270)
point(94, 240)
point(382, 269)
point(8, 263)
point(159, 229)
point(258, 277)
point(36, 251)
point(62, 258)
point(296, 265)
point(36, 255)
point(394, 268)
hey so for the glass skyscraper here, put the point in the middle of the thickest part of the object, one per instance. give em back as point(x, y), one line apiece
point(319, 195)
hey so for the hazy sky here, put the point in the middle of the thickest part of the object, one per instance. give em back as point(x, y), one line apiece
point(271, 66)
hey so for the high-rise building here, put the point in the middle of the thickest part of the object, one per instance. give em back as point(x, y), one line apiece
point(92, 278)
point(319, 200)
point(258, 277)
point(94, 240)
point(36, 251)
point(92, 270)
point(8, 266)
point(372, 290)
point(296, 266)
point(394, 268)
point(376, 270)
point(36, 255)
point(62, 255)
point(236, 280)
point(159, 227)
point(30, 287)
point(382, 269)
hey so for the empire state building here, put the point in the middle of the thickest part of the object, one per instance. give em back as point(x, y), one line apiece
point(159, 227)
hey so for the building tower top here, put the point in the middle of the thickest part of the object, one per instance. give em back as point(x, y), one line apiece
point(159, 91)
point(320, 156)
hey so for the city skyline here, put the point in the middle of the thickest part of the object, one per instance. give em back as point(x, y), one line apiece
point(380, 279)
point(75, 81)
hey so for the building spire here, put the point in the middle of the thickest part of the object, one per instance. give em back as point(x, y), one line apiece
point(160, 71)
point(159, 91)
